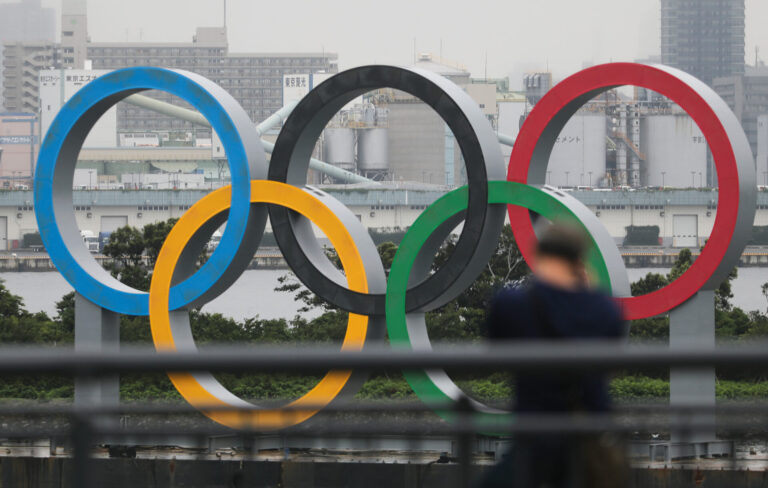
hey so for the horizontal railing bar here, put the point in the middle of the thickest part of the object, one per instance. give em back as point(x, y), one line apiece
point(539, 356)
point(538, 423)
point(382, 406)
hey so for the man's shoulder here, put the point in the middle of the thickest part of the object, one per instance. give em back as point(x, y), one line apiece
point(510, 295)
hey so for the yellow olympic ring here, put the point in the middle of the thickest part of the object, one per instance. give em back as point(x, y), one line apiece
point(296, 199)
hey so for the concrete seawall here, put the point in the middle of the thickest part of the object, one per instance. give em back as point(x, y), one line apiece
point(271, 258)
point(39, 261)
point(28, 472)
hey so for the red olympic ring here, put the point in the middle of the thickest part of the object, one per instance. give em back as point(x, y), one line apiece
point(715, 120)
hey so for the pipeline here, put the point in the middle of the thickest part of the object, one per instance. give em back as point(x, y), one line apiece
point(270, 122)
point(505, 139)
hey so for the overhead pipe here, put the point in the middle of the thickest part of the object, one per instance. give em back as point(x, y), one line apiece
point(167, 109)
point(505, 139)
point(270, 122)
point(276, 118)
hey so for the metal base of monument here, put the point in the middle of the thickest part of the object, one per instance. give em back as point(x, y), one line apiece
point(667, 451)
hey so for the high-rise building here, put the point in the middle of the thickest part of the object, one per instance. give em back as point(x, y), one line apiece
point(254, 79)
point(26, 20)
point(74, 33)
point(22, 62)
point(747, 95)
point(703, 37)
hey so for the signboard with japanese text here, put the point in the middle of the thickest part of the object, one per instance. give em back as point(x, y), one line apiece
point(57, 86)
point(295, 87)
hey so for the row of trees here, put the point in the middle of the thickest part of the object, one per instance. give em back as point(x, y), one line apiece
point(134, 252)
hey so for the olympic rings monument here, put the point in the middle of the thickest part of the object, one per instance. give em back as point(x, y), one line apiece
point(377, 306)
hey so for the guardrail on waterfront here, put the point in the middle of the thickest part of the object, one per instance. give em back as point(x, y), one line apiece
point(86, 425)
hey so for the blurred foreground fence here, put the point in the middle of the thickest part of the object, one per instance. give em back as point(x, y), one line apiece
point(81, 427)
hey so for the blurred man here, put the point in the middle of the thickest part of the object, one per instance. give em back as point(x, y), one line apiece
point(558, 304)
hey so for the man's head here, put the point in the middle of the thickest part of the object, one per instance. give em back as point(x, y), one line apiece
point(560, 256)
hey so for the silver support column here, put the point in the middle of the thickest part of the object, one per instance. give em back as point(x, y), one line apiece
point(692, 324)
point(96, 330)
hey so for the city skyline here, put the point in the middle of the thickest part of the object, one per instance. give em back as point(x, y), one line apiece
point(462, 35)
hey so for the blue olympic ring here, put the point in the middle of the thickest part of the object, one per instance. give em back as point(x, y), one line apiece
point(55, 172)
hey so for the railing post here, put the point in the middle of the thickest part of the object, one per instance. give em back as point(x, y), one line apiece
point(82, 438)
point(464, 441)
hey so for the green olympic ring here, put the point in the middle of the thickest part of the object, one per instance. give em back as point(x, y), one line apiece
point(409, 329)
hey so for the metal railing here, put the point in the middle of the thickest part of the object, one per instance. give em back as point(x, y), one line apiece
point(83, 426)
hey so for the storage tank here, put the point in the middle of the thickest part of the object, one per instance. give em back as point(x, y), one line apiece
point(339, 147)
point(675, 151)
point(578, 158)
point(372, 150)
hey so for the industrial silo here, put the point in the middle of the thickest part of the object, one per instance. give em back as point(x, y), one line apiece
point(578, 157)
point(339, 147)
point(675, 150)
point(372, 150)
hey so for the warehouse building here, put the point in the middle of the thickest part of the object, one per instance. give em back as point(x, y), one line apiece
point(685, 217)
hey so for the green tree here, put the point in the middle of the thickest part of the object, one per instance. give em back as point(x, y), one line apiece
point(387, 251)
point(135, 251)
point(65, 311)
point(288, 283)
point(126, 248)
point(728, 320)
point(154, 236)
point(505, 267)
point(648, 284)
point(682, 263)
point(10, 305)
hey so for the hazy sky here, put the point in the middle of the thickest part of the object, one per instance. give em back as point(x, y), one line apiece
point(517, 35)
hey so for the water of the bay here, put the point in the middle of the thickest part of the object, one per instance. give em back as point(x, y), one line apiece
point(253, 294)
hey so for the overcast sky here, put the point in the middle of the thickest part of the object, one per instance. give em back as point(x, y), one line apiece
point(516, 35)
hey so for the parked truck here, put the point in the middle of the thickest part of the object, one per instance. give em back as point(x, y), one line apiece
point(90, 240)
